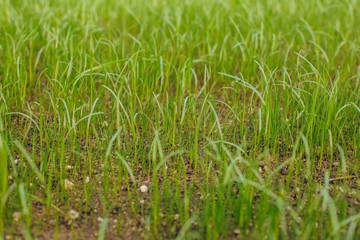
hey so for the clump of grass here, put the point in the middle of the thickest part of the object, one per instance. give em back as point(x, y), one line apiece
point(3, 182)
point(241, 118)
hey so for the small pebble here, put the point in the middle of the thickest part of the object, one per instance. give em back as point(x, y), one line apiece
point(16, 216)
point(143, 188)
point(68, 167)
point(68, 184)
point(73, 214)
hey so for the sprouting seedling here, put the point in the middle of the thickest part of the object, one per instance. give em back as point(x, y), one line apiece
point(163, 161)
point(186, 227)
point(67, 113)
point(27, 116)
point(128, 168)
point(102, 230)
point(217, 119)
point(3, 167)
point(110, 145)
point(3, 181)
point(122, 107)
point(30, 162)
point(345, 106)
point(307, 151)
point(328, 201)
point(245, 84)
point(343, 159)
point(82, 119)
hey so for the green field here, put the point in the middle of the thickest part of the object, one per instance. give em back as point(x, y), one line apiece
point(186, 119)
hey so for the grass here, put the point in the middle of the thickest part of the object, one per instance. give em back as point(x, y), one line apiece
point(242, 119)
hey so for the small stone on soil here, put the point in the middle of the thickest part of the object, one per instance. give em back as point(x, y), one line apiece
point(68, 184)
point(143, 188)
point(73, 214)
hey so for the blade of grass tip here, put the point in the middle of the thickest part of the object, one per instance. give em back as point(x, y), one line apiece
point(5, 197)
point(126, 166)
point(352, 219)
point(91, 112)
point(23, 114)
point(232, 166)
point(56, 110)
point(311, 66)
point(82, 119)
point(4, 100)
point(112, 140)
point(217, 120)
point(184, 110)
point(246, 84)
point(158, 144)
point(30, 161)
point(307, 151)
point(156, 99)
point(347, 105)
point(231, 109)
point(351, 231)
point(3, 167)
point(331, 205)
point(280, 203)
point(281, 166)
point(52, 205)
point(121, 105)
point(229, 143)
point(102, 66)
point(3, 181)
point(186, 227)
point(167, 157)
point(23, 201)
point(102, 230)
point(343, 159)
point(67, 111)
